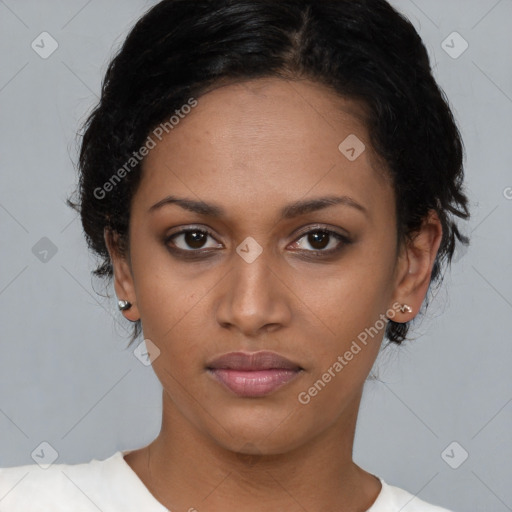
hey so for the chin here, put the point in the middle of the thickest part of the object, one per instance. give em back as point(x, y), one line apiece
point(259, 431)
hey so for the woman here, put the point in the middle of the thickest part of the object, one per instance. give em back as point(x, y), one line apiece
point(271, 186)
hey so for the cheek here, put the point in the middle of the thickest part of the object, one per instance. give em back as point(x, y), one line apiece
point(165, 291)
point(344, 299)
point(172, 308)
point(343, 350)
point(346, 311)
point(173, 315)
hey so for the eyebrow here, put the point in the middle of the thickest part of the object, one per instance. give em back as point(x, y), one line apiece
point(289, 211)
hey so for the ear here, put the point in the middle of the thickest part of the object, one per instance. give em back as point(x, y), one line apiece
point(414, 268)
point(123, 278)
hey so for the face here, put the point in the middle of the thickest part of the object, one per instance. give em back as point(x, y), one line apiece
point(274, 240)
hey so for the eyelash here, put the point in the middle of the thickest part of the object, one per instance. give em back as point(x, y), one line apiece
point(202, 253)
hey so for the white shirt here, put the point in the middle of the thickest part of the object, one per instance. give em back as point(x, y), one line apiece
point(111, 485)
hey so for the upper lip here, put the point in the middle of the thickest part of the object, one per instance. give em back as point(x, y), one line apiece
point(252, 361)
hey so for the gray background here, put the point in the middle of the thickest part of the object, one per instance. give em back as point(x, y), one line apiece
point(65, 375)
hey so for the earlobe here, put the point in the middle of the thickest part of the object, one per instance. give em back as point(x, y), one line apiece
point(123, 280)
point(416, 262)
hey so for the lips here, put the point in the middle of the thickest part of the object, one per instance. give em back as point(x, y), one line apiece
point(253, 374)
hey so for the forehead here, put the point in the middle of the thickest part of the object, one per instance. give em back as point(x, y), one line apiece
point(277, 112)
point(274, 139)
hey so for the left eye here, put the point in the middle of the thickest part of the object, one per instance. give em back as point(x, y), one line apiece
point(320, 240)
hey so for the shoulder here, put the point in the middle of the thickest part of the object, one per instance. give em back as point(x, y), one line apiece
point(31, 488)
point(395, 499)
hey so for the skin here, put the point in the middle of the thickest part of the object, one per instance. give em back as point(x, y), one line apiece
point(252, 148)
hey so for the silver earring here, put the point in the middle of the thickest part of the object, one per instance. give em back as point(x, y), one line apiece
point(123, 305)
point(405, 309)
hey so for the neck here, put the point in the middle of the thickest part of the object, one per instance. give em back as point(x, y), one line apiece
point(185, 469)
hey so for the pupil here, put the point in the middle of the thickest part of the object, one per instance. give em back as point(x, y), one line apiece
point(319, 240)
point(195, 239)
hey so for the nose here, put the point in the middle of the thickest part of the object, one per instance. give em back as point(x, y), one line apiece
point(253, 298)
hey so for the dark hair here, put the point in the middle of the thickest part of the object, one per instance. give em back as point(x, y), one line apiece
point(362, 49)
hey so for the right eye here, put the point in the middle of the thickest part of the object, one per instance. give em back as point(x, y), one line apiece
point(190, 240)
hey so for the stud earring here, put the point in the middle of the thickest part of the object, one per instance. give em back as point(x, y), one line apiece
point(405, 309)
point(124, 305)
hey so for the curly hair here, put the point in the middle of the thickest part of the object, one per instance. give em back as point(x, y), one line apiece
point(362, 49)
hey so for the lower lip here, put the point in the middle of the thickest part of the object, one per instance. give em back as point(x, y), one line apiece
point(254, 383)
